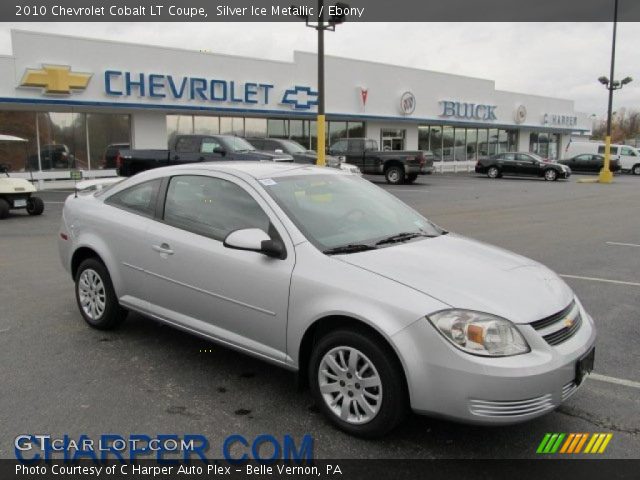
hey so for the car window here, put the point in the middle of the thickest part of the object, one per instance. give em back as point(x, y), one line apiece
point(272, 145)
point(339, 147)
point(258, 143)
point(521, 157)
point(510, 157)
point(614, 150)
point(212, 207)
point(139, 199)
point(356, 146)
point(209, 145)
point(371, 146)
point(188, 144)
point(627, 151)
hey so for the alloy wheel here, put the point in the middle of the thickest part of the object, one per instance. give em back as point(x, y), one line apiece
point(350, 385)
point(92, 294)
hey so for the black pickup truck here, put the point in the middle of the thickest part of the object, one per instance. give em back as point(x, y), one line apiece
point(398, 166)
point(192, 149)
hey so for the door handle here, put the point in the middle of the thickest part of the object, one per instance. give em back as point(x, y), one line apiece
point(163, 248)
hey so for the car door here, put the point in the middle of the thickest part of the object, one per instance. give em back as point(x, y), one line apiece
point(506, 162)
point(187, 150)
point(526, 165)
point(235, 296)
point(210, 150)
point(580, 163)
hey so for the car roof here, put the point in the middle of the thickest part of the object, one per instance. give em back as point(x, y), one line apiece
point(257, 170)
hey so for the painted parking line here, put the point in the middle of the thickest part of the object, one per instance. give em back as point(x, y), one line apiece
point(623, 244)
point(604, 280)
point(617, 381)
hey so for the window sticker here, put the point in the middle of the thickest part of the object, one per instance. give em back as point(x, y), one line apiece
point(268, 182)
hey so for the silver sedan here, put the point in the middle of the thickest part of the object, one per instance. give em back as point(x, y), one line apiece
point(316, 270)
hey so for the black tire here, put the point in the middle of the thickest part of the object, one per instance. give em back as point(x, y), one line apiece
point(636, 169)
point(411, 177)
point(4, 208)
point(394, 175)
point(550, 175)
point(113, 314)
point(394, 399)
point(493, 172)
point(35, 206)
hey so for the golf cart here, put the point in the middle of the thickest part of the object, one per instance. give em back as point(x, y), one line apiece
point(16, 193)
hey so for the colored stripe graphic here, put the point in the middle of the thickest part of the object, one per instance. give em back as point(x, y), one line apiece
point(573, 443)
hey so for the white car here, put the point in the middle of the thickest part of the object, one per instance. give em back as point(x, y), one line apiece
point(321, 272)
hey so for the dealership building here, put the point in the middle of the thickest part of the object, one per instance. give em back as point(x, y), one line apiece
point(71, 97)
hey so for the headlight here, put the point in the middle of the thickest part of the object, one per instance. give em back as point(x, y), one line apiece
point(480, 333)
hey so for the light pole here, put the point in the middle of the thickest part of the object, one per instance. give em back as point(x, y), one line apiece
point(605, 174)
point(321, 26)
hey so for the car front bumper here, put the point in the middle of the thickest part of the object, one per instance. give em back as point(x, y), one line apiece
point(447, 382)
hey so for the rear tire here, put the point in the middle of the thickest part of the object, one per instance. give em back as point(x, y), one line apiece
point(96, 298)
point(394, 175)
point(493, 172)
point(550, 175)
point(372, 386)
point(636, 169)
point(412, 177)
point(35, 206)
point(4, 208)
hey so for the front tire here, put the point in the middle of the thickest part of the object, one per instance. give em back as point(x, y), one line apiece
point(394, 175)
point(35, 206)
point(96, 298)
point(4, 208)
point(358, 383)
point(636, 169)
point(493, 172)
point(550, 175)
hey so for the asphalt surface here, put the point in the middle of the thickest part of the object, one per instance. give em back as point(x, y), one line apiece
point(59, 376)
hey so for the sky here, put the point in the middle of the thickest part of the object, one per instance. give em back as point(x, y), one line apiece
point(552, 59)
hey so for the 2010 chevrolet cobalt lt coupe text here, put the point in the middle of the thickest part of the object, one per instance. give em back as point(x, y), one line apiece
point(321, 272)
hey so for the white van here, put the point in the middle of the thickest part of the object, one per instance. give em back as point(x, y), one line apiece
point(629, 156)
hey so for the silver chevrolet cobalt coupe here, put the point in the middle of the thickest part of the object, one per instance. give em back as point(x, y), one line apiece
point(321, 272)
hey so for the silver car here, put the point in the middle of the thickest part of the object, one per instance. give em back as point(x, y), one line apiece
point(321, 272)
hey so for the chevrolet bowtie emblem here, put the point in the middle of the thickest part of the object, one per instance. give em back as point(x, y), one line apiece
point(568, 322)
point(55, 79)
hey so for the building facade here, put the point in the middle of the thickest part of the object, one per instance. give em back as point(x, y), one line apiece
point(73, 97)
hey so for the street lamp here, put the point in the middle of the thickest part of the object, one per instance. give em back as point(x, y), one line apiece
point(321, 26)
point(605, 174)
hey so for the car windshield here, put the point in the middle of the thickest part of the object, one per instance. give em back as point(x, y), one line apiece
point(345, 211)
point(237, 144)
point(293, 147)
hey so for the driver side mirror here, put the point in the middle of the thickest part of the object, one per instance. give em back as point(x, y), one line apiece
point(220, 151)
point(255, 240)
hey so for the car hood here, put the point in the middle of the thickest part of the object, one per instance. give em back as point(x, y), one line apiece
point(468, 274)
point(276, 157)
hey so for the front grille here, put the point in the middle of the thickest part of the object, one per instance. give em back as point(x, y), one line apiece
point(571, 321)
point(514, 408)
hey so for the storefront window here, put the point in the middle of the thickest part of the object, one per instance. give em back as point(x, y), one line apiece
point(299, 130)
point(203, 125)
point(178, 125)
point(435, 142)
point(483, 143)
point(337, 130)
point(105, 130)
point(544, 144)
point(14, 155)
point(448, 141)
point(355, 129)
point(471, 146)
point(232, 126)
point(503, 141)
point(460, 147)
point(423, 138)
point(493, 141)
point(63, 140)
point(278, 128)
point(255, 127)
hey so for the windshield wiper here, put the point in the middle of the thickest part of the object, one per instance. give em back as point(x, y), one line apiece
point(351, 248)
point(402, 237)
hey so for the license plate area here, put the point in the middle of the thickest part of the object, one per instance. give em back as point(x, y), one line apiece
point(585, 365)
point(20, 203)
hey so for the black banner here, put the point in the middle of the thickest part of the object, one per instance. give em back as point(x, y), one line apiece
point(293, 10)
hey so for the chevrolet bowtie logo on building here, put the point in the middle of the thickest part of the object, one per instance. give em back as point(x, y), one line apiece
point(55, 79)
point(301, 98)
point(573, 443)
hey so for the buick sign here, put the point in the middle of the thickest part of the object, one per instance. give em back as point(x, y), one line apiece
point(468, 111)
point(407, 103)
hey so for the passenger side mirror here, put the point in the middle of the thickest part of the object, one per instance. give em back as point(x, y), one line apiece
point(220, 151)
point(254, 240)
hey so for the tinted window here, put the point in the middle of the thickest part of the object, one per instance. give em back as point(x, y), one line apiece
point(140, 198)
point(521, 157)
point(614, 150)
point(510, 157)
point(211, 207)
point(187, 144)
point(356, 145)
point(259, 144)
point(272, 145)
point(627, 151)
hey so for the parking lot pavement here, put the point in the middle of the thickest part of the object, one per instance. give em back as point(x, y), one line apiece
point(59, 376)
